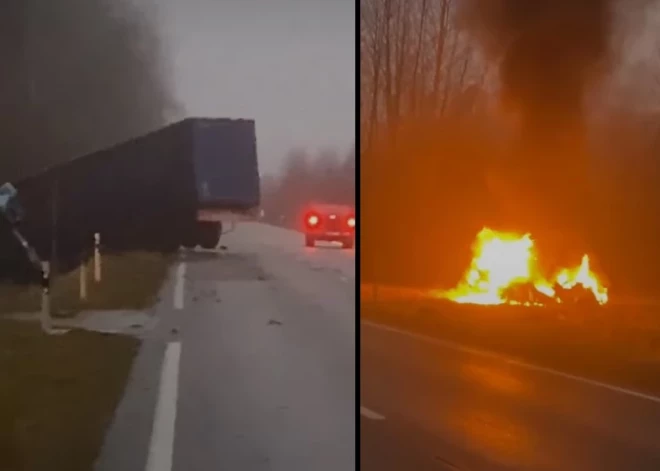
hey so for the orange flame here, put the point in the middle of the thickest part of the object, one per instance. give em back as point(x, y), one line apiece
point(503, 260)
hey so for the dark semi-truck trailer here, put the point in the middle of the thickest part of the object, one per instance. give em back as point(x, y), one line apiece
point(173, 187)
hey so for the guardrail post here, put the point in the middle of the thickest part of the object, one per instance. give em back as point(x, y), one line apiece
point(83, 280)
point(45, 296)
point(97, 257)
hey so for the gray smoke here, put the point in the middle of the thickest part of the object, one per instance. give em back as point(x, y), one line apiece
point(77, 76)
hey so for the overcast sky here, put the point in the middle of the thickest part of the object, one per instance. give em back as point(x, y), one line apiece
point(288, 64)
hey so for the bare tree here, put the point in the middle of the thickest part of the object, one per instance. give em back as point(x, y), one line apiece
point(422, 79)
point(371, 66)
point(414, 61)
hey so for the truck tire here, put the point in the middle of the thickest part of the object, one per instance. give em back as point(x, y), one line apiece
point(209, 235)
point(190, 241)
point(168, 246)
point(309, 241)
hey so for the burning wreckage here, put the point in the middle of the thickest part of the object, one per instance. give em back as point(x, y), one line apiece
point(505, 270)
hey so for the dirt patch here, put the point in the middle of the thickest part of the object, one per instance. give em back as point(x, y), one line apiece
point(129, 282)
point(58, 395)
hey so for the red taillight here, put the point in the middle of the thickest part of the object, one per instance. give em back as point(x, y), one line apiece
point(351, 222)
point(312, 220)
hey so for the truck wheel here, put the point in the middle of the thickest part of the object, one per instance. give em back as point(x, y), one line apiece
point(189, 242)
point(348, 243)
point(168, 247)
point(207, 245)
point(209, 235)
point(309, 241)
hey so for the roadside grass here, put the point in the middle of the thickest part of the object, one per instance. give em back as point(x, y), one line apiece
point(619, 345)
point(129, 281)
point(58, 394)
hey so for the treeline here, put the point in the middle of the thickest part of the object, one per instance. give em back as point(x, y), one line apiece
point(328, 177)
point(423, 127)
point(440, 154)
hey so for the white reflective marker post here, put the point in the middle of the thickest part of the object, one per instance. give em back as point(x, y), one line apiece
point(45, 296)
point(83, 280)
point(97, 257)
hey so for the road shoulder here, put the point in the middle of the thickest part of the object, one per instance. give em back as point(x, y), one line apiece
point(127, 439)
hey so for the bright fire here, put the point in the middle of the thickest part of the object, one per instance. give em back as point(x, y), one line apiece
point(506, 263)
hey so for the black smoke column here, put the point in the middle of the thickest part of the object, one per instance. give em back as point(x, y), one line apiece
point(549, 53)
point(77, 76)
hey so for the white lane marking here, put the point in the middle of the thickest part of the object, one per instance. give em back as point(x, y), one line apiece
point(179, 285)
point(162, 433)
point(369, 414)
point(514, 362)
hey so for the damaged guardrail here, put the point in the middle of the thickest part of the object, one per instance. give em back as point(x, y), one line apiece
point(12, 212)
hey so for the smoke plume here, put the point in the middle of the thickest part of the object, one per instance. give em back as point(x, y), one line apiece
point(77, 76)
point(549, 53)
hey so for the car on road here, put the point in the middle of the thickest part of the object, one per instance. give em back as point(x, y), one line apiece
point(330, 223)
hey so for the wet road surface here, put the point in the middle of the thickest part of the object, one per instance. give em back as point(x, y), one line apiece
point(430, 405)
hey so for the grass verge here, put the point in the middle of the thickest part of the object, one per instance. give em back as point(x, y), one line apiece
point(616, 345)
point(129, 281)
point(58, 395)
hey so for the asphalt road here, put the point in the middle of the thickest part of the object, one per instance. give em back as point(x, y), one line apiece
point(428, 405)
point(251, 366)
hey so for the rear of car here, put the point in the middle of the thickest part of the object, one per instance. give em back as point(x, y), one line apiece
point(330, 223)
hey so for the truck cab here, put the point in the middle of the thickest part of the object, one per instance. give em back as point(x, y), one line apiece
point(329, 223)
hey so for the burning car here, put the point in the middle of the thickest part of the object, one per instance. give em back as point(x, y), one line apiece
point(330, 223)
point(505, 270)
